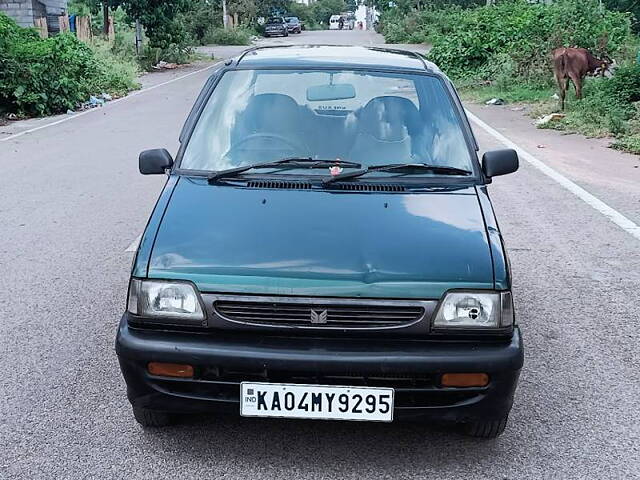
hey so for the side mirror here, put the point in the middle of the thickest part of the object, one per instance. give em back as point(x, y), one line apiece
point(499, 162)
point(154, 161)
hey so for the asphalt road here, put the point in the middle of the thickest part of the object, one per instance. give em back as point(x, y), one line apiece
point(71, 203)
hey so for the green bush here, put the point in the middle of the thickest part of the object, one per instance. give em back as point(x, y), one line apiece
point(416, 26)
point(511, 40)
point(41, 77)
point(116, 71)
point(505, 51)
point(230, 36)
point(199, 22)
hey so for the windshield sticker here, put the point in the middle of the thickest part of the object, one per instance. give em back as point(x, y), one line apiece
point(331, 107)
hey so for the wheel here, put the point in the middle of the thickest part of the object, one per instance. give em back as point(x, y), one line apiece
point(486, 428)
point(152, 418)
point(286, 34)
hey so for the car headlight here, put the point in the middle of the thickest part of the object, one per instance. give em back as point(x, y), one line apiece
point(167, 301)
point(475, 310)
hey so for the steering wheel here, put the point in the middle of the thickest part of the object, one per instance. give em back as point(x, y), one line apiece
point(297, 148)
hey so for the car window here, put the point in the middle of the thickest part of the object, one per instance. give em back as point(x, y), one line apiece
point(365, 117)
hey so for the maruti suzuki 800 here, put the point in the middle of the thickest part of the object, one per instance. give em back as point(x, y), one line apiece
point(324, 248)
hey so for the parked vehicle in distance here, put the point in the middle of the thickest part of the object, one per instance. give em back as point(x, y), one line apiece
point(276, 26)
point(349, 19)
point(285, 275)
point(334, 22)
point(293, 24)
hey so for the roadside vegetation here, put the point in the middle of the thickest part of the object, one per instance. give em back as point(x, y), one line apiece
point(46, 76)
point(504, 51)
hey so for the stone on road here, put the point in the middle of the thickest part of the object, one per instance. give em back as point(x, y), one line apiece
point(72, 201)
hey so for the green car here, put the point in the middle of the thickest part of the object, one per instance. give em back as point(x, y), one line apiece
point(324, 248)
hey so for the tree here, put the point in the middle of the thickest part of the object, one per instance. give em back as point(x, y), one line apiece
point(102, 5)
point(266, 8)
point(201, 17)
point(245, 9)
point(323, 9)
point(158, 19)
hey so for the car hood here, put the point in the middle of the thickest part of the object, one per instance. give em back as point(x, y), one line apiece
point(320, 243)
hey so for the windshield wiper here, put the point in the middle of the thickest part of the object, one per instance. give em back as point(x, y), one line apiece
point(392, 167)
point(291, 162)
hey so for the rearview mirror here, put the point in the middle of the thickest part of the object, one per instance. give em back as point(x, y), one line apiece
point(154, 161)
point(337, 91)
point(499, 162)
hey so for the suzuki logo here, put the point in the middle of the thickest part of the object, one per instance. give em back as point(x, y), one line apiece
point(319, 316)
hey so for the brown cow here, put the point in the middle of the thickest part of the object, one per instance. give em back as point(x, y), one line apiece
point(574, 64)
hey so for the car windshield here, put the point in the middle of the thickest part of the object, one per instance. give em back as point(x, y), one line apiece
point(292, 19)
point(275, 20)
point(370, 118)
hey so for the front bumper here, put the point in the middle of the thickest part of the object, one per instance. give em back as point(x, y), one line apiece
point(412, 367)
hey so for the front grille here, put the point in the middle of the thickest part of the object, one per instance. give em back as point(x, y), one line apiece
point(359, 379)
point(319, 314)
point(411, 390)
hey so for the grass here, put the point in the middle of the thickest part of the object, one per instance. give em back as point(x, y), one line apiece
point(230, 36)
point(629, 144)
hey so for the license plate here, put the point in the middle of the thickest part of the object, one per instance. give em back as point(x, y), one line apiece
point(326, 402)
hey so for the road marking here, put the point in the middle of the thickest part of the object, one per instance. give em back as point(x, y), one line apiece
point(117, 100)
point(594, 202)
point(134, 245)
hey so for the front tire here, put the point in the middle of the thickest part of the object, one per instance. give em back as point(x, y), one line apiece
point(152, 418)
point(486, 428)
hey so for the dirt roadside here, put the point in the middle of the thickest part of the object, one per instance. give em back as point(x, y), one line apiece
point(611, 175)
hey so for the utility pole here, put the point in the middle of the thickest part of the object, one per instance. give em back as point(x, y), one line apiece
point(225, 21)
point(138, 37)
point(105, 17)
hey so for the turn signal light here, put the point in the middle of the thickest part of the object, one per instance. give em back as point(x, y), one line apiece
point(465, 380)
point(170, 369)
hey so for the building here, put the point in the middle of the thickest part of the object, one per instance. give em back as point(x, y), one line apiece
point(25, 12)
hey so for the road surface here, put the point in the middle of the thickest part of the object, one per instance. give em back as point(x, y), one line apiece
point(72, 203)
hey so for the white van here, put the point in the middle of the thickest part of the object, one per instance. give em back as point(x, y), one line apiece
point(334, 22)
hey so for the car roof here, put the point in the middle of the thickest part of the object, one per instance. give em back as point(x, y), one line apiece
point(335, 56)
